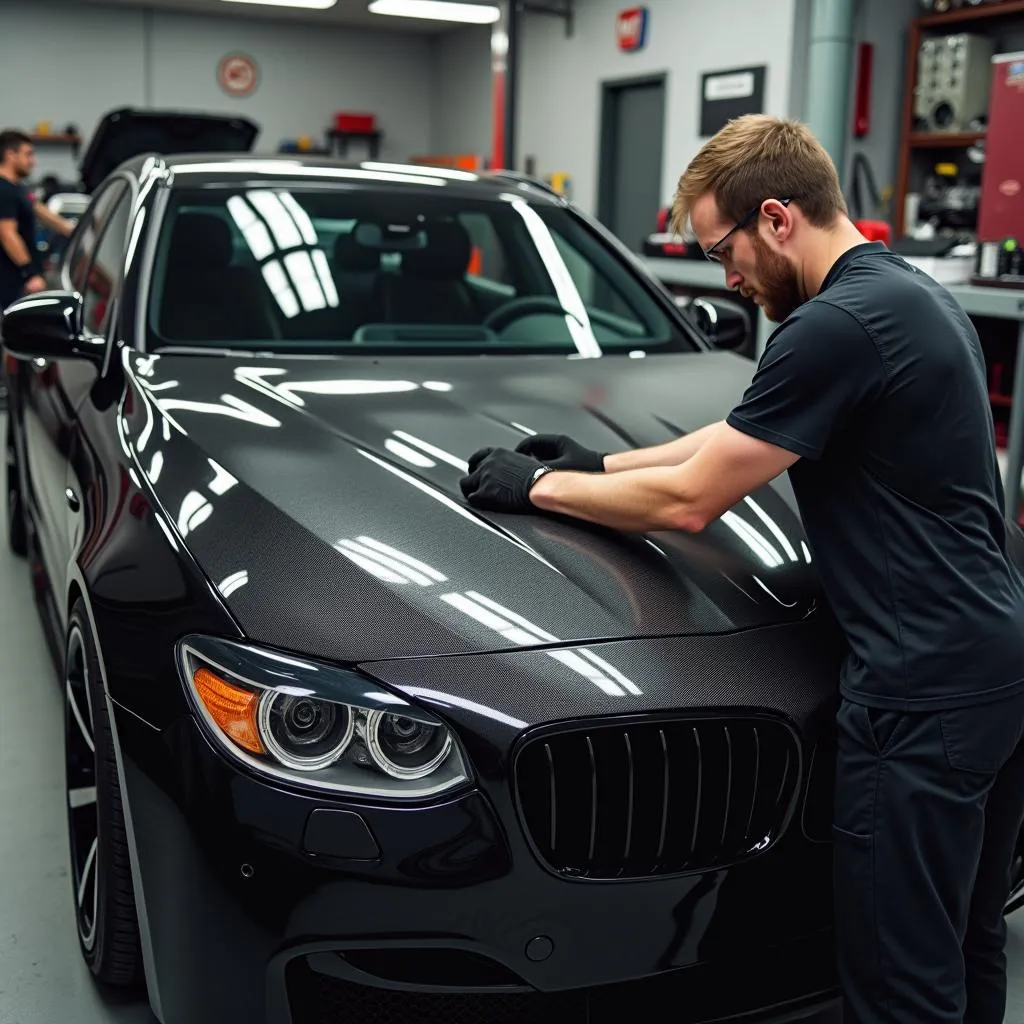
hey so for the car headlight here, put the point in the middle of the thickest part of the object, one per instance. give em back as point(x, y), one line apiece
point(318, 725)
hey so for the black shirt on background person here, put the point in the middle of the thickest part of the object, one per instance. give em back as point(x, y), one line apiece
point(20, 270)
point(15, 205)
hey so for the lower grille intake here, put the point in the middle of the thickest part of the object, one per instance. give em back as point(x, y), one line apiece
point(622, 801)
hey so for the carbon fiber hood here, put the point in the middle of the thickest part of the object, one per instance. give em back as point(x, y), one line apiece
point(321, 497)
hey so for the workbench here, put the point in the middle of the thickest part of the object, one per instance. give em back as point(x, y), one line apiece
point(1004, 304)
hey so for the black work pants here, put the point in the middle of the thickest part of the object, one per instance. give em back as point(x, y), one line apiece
point(928, 809)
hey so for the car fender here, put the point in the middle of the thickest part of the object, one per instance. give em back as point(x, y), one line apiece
point(78, 590)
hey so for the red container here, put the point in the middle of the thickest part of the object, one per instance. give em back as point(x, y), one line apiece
point(356, 124)
point(875, 230)
point(1001, 208)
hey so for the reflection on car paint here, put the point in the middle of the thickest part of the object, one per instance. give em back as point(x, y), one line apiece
point(523, 633)
point(389, 564)
point(230, 584)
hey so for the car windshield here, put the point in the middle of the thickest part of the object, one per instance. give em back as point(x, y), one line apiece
point(372, 271)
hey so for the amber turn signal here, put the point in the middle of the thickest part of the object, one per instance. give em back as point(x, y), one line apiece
point(232, 708)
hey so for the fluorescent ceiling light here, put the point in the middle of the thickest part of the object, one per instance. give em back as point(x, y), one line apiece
point(438, 10)
point(311, 5)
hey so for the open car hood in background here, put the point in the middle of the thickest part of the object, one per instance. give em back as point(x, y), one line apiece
point(127, 132)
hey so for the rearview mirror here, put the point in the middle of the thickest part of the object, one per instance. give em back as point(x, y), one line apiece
point(48, 325)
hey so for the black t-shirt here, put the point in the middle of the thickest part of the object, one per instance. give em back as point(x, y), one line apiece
point(15, 205)
point(879, 384)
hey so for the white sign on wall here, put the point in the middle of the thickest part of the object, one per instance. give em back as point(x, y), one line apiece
point(737, 86)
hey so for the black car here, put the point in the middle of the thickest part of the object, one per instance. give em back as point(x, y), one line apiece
point(338, 745)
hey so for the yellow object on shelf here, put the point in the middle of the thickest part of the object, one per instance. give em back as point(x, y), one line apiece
point(561, 182)
point(43, 128)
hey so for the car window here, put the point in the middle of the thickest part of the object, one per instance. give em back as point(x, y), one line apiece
point(106, 266)
point(84, 247)
point(375, 271)
point(487, 257)
point(597, 289)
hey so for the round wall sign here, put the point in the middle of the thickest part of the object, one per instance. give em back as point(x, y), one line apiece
point(237, 74)
point(1010, 187)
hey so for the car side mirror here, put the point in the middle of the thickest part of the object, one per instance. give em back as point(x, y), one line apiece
point(727, 324)
point(48, 325)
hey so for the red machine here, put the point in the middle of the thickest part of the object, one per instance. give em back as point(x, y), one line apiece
point(1001, 206)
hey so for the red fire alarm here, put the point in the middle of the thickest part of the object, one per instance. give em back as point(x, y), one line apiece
point(862, 101)
point(631, 29)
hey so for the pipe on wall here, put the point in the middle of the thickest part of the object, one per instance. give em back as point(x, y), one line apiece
point(829, 63)
point(514, 17)
point(499, 56)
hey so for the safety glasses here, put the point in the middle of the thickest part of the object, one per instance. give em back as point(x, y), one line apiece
point(714, 254)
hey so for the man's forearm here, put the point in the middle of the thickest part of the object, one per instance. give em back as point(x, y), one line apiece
point(53, 221)
point(672, 453)
point(633, 500)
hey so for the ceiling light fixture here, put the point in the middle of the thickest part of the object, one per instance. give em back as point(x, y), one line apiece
point(438, 10)
point(309, 5)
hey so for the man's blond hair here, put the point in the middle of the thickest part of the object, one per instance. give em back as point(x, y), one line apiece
point(758, 157)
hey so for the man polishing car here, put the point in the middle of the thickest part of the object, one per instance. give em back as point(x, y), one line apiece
point(872, 395)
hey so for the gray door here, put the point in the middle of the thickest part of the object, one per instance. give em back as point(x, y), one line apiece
point(632, 140)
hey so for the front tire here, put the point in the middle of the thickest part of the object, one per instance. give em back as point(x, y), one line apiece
point(17, 534)
point(102, 888)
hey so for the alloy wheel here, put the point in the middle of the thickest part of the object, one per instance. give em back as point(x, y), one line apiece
point(83, 818)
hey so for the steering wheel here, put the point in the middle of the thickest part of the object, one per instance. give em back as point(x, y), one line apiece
point(527, 305)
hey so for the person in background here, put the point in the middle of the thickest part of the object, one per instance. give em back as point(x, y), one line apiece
point(20, 271)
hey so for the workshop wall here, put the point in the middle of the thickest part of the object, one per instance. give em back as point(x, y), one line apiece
point(884, 24)
point(462, 109)
point(65, 63)
point(560, 79)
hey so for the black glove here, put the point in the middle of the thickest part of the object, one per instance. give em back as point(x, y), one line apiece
point(500, 480)
point(561, 452)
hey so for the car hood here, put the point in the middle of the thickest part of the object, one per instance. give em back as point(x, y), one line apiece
point(126, 132)
point(321, 497)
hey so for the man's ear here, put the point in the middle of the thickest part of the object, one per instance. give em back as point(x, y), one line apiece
point(779, 217)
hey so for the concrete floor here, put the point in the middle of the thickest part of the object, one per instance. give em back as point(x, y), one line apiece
point(42, 977)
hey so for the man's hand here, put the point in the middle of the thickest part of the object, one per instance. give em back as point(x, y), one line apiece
point(500, 480)
point(561, 452)
point(36, 283)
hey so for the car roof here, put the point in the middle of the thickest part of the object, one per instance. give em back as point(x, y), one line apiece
point(199, 169)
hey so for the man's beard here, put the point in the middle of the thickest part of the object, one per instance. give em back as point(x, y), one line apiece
point(779, 286)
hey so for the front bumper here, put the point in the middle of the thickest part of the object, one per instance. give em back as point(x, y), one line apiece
point(447, 909)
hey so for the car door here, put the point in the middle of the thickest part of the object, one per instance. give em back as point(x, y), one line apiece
point(55, 388)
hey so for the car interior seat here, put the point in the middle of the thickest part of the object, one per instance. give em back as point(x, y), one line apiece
point(431, 286)
point(356, 273)
point(205, 297)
